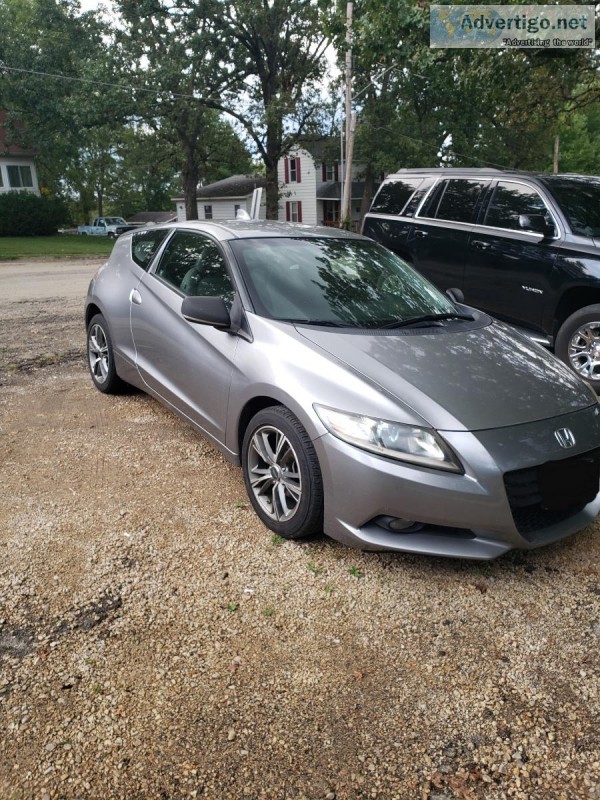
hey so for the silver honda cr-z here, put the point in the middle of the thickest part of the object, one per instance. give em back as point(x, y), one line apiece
point(358, 399)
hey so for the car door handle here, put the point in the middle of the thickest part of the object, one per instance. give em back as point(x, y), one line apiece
point(421, 234)
point(479, 245)
point(135, 297)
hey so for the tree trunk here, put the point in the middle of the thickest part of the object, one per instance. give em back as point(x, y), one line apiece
point(272, 193)
point(190, 174)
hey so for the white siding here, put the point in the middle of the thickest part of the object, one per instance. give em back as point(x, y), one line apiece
point(223, 208)
point(305, 191)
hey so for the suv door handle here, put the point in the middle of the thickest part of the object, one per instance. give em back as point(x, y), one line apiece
point(135, 297)
point(480, 245)
point(421, 234)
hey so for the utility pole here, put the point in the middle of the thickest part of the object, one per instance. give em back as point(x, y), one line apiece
point(345, 211)
point(556, 146)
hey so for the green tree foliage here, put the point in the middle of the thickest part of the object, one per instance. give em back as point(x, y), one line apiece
point(423, 107)
point(49, 37)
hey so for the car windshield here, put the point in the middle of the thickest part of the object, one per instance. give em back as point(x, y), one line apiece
point(579, 199)
point(335, 282)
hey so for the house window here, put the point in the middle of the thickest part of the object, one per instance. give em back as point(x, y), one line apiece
point(19, 177)
point(236, 208)
point(292, 170)
point(329, 172)
point(208, 212)
point(331, 211)
point(293, 211)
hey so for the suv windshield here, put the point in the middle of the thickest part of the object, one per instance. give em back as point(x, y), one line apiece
point(579, 199)
point(334, 282)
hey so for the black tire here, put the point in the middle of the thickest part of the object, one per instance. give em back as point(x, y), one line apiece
point(100, 357)
point(578, 344)
point(278, 491)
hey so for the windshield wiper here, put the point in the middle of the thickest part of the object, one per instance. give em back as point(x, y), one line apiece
point(329, 323)
point(404, 323)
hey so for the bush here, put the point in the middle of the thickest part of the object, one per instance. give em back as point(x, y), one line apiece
point(27, 214)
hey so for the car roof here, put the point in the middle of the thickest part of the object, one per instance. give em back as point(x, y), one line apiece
point(254, 229)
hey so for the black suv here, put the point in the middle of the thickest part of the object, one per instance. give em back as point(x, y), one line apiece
point(524, 247)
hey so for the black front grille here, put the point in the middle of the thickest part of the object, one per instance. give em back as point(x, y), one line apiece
point(525, 491)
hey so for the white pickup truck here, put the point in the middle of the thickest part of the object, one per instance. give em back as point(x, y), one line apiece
point(105, 226)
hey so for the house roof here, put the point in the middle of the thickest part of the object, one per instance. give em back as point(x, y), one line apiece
point(322, 149)
point(333, 191)
point(7, 148)
point(234, 186)
point(154, 216)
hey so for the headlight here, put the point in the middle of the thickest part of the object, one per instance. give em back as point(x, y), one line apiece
point(421, 446)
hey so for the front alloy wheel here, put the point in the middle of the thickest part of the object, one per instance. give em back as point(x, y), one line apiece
point(578, 344)
point(282, 474)
point(274, 473)
point(584, 351)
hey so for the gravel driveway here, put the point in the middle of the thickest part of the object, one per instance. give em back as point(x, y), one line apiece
point(156, 641)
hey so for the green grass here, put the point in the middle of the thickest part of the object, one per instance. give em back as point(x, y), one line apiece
point(53, 246)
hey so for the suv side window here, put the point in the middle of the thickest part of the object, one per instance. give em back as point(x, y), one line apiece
point(193, 265)
point(458, 202)
point(144, 244)
point(509, 201)
point(393, 197)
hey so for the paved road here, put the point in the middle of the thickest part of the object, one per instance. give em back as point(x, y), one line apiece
point(39, 280)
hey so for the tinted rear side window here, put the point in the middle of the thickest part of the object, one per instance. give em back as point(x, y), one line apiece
point(144, 244)
point(393, 197)
point(459, 200)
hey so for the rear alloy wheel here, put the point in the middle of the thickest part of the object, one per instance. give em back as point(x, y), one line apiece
point(101, 359)
point(578, 344)
point(282, 475)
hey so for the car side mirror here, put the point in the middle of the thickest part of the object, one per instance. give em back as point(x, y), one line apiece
point(536, 223)
point(206, 311)
point(456, 295)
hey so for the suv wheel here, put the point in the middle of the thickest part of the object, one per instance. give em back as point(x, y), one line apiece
point(578, 344)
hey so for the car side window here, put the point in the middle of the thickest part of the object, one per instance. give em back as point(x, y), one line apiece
point(193, 265)
point(393, 197)
point(510, 200)
point(457, 203)
point(144, 244)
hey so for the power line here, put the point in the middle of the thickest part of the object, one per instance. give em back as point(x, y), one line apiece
point(58, 76)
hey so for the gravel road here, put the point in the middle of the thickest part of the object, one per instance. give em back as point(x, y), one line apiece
point(156, 641)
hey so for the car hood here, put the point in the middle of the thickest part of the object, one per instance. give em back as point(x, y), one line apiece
point(479, 379)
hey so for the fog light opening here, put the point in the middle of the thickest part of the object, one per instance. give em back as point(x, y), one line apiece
point(399, 525)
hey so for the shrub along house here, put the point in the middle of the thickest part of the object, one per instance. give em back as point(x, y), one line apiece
point(17, 167)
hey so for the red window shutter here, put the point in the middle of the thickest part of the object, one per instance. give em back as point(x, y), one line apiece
point(288, 213)
point(298, 179)
point(299, 210)
point(323, 172)
point(336, 172)
point(287, 170)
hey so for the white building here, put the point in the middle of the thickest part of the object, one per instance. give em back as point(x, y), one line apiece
point(310, 181)
point(223, 199)
point(17, 167)
point(310, 188)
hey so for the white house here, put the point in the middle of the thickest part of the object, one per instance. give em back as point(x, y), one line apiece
point(310, 188)
point(310, 182)
point(223, 199)
point(17, 167)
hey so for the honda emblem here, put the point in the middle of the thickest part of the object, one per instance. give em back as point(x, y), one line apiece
point(565, 438)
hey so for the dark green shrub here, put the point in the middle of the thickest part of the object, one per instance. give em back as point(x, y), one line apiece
point(27, 214)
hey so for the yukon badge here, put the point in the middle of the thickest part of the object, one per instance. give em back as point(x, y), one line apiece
point(565, 438)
